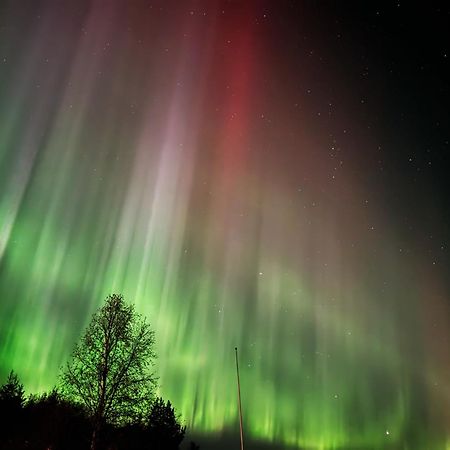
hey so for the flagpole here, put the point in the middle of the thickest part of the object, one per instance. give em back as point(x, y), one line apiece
point(241, 430)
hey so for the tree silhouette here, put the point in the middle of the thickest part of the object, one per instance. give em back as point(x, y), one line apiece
point(54, 423)
point(12, 399)
point(12, 392)
point(109, 373)
point(164, 428)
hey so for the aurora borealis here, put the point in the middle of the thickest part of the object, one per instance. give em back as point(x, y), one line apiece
point(269, 175)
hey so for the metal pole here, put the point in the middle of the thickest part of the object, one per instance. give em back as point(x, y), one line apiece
point(241, 430)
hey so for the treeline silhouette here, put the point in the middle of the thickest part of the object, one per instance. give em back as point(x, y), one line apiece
point(105, 399)
point(48, 421)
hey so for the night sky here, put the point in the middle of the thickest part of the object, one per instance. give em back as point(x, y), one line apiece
point(271, 175)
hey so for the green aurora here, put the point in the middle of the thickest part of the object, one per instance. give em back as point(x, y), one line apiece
point(142, 153)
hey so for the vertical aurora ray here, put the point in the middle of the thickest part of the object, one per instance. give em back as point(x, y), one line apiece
point(158, 150)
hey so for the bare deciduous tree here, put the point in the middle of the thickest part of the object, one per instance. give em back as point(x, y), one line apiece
point(110, 371)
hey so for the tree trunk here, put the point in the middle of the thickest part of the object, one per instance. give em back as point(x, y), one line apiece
point(94, 436)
